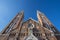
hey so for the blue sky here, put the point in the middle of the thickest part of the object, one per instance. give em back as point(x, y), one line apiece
point(9, 8)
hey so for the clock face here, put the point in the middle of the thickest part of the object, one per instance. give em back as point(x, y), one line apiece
point(30, 25)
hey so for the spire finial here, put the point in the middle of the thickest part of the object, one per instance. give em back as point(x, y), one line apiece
point(21, 12)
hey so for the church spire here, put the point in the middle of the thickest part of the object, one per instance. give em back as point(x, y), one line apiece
point(14, 23)
point(39, 17)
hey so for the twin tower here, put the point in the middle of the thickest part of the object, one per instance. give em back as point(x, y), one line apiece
point(18, 29)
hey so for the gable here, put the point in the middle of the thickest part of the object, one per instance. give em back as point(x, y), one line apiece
point(30, 21)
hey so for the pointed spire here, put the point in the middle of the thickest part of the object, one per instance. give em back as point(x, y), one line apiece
point(39, 13)
point(21, 12)
point(17, 19)
point(39, 16)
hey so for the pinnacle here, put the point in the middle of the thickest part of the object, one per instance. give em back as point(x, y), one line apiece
point(21, 12)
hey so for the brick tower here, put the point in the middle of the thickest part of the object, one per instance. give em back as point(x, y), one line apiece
point(18, 29)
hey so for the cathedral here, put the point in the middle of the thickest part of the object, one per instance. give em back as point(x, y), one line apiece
point(18, 29)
